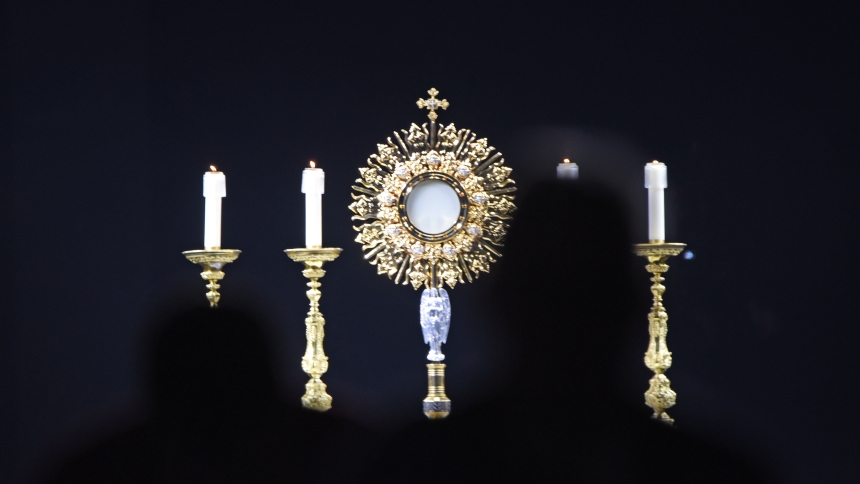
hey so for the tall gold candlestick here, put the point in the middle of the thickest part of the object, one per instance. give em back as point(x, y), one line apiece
point(212, 261)
point(315, 362)
point(658, 358)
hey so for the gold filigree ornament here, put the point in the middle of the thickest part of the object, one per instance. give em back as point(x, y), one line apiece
point(401, 183)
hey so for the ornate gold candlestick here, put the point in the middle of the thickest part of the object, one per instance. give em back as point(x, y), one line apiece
point(212, 260)
point(315, 362)
point(658, 358)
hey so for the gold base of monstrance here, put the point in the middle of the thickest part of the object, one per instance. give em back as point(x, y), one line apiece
point(315, 362)
point(437, 404)
point(658, 358)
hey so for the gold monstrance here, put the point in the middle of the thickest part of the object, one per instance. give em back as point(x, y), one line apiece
point(433, 202)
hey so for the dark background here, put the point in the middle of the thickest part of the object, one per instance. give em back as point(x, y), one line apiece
point(113, 110)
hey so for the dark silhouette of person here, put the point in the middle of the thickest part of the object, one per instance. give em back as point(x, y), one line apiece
point(217, 417)
point(565, 292)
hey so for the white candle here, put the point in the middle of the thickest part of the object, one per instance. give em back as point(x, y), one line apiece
point(567, 171)
point(313, 186)
point(214, 188)
point(655, 182)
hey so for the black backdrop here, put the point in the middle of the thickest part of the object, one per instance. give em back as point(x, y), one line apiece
point(112, 111)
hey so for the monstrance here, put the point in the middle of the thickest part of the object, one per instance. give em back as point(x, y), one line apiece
point(433, 203)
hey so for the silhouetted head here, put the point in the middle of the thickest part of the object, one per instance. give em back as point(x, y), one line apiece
point(565, 280)
point(208, 361)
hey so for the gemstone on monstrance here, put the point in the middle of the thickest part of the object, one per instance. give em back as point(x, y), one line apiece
point(479, 197)
point(433, 158)
point(387, 198)
point(473, 230)
point(417, 249)
point(393, 230)
point(432, 103)
point(448, 250)
point(401, 170)
point(464, 170)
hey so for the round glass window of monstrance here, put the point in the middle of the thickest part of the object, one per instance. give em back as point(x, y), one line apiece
point(433, 207)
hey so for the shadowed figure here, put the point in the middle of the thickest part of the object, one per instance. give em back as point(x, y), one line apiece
point(216, 416)
point(565, 294)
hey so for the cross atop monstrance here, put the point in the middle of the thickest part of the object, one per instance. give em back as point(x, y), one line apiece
point(432, 103)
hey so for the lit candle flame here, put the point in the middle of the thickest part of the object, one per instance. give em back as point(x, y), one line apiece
point(212, 167)
point(567, 160)
point(313, 165)
point(655, 162)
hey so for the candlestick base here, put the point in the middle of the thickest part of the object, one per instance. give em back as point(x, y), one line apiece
point(658, 358)
point(212, 261)
point(314, 362)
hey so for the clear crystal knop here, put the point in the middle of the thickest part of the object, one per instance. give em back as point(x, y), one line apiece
point(435, 320)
